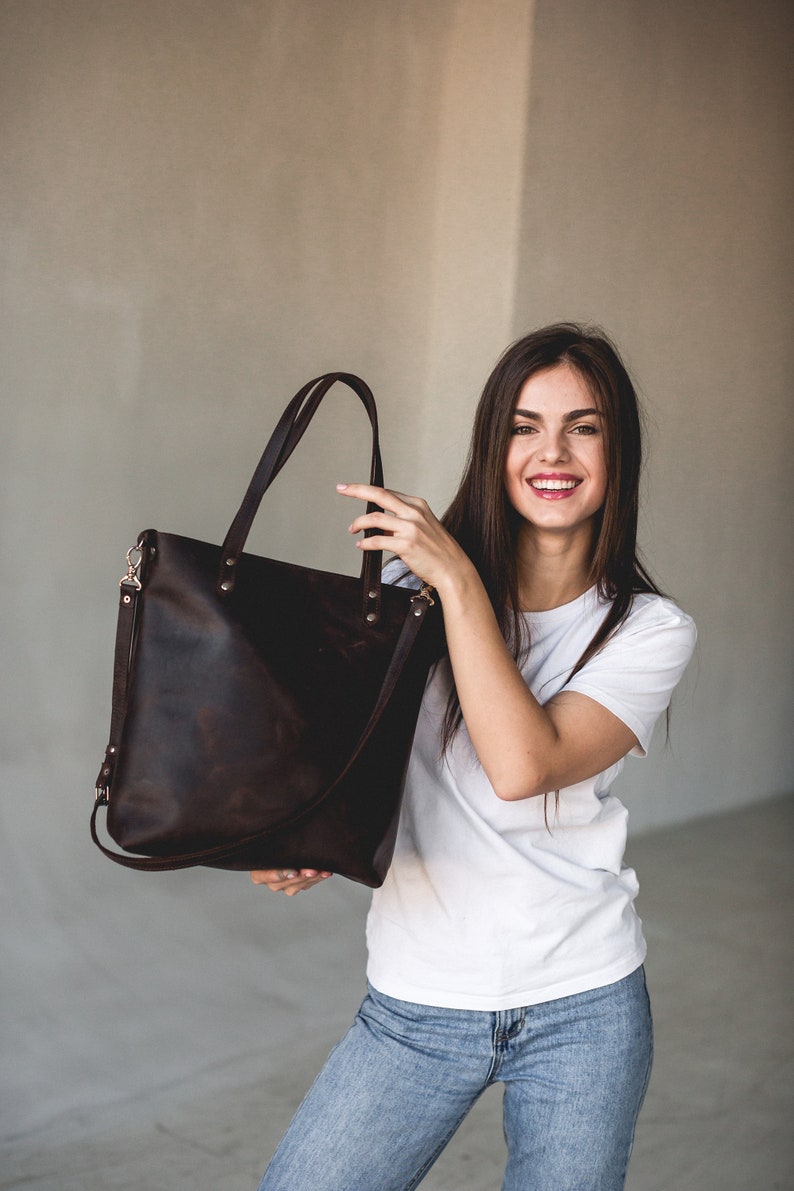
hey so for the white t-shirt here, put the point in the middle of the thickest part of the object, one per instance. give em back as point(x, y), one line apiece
point(485, 906)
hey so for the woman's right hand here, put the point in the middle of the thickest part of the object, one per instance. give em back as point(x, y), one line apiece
point(288, 880)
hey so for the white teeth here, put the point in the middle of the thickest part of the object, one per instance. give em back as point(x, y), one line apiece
point(553, 485)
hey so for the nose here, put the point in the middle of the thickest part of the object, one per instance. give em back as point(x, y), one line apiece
point(554, 448)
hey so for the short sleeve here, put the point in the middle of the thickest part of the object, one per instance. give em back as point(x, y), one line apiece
point(396, 573)
point(636, 672)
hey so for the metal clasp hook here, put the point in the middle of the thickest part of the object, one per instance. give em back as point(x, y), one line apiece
point(422, 596)
point(133, 567)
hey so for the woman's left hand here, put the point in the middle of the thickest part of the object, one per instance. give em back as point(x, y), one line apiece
point(409, 529)
point(288, 880)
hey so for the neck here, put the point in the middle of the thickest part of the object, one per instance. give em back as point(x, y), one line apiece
point(553, 569)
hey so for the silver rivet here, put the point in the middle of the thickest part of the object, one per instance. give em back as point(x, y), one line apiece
point(226, 587)
point(105, 772)
point(153, 549)
point(373, 595)
point(417, 611)
point(126, 600)
point(230, 562)
point(112, 748)
point(371, 616)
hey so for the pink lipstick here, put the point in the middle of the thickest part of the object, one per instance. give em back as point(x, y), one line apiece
point(553, 485)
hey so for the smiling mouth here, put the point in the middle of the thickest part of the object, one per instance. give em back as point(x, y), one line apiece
point(547, 485)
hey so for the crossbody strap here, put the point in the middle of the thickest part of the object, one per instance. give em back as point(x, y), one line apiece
point(130, 588)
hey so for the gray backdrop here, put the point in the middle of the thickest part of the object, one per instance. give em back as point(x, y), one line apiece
point(204, 205)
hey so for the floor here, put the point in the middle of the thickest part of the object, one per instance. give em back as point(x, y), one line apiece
point(163, 1043)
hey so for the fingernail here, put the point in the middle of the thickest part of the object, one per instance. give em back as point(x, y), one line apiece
point(289, 873)
point(341, 487)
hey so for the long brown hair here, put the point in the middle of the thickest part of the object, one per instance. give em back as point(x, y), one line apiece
point(484, 522)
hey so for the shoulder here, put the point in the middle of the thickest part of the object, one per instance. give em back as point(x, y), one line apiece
point(655, 634)
point(655, 613)
point(636, 671)
point(651, 619)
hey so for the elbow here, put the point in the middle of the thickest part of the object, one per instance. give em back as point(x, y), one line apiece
point(529, 786)
point(517, 795)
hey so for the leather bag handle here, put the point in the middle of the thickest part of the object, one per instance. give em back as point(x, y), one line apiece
point(291, 427)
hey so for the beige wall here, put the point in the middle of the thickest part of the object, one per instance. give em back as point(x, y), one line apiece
point(205, 204)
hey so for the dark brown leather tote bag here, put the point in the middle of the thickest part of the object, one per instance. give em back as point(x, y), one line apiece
point(263, 713)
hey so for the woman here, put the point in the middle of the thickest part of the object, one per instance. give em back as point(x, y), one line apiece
point(504, 945)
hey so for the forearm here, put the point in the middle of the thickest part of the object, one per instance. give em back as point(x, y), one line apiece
point(514, 738)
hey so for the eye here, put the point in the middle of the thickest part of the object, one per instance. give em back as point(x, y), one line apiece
point(523, 428)
point(585, 429)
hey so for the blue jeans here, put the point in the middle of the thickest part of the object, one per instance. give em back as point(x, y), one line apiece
point(400, 1082)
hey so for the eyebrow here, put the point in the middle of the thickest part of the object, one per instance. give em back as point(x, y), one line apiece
point(573, 416)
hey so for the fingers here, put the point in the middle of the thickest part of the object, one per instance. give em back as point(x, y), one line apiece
point(408, 528)
point(387, 524)
point(289, 880)
point(397, 507)
point(391, 501)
